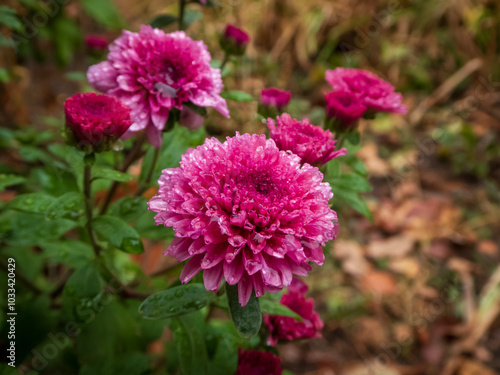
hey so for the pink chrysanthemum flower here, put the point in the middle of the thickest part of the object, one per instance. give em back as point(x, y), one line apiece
point(273, 97)
point(253, 362)
point(247, 211)
point(375, 93)
point(287, 328)
point(344, 106)
point(313, 144)
point(153, 72)
point(96, 120)
point(234, 40)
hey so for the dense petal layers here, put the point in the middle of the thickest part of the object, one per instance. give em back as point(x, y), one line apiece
point(153, 72)
point(245, 211)
point(96, 120)
point(375, 94)
point(313, 144)
point(287, 328)
point(346, 107)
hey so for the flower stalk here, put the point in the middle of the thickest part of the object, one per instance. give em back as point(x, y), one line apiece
point(87, 191)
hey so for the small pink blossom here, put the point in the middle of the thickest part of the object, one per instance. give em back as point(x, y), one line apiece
point(245, 211)
point(313, 144)
point(273, 97)
point(96, 120)
point(346, 107)
point(254, 362)
point(153, 72)
point(375, 93)
point(234, 40)
point(287, 328)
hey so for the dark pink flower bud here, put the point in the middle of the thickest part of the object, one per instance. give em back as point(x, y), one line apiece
point(253, 362)
point(96, 120)
point(287, 328)
point(190, 119)
point(273, 97)
point(96, 43)
point(311, 143)
point(345, 107)
point(374, 93)
point(234, 40)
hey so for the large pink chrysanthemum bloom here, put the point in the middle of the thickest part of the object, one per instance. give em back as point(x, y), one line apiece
point(287, 328)
point(247, 211)
point(254, 362)
point(375, 93)
point(313, 144)
point(96, 120)
point(153, 72)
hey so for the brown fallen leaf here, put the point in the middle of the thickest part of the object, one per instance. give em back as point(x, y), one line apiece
point(475, 368)
point(395, 247)
point(350, 253)
point(488, 247)
point(378, 283)
point(406, 266)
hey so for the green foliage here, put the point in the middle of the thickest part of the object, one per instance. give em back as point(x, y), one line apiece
point(179, 300)
point(247, 319)
point(118, 234)
point(237, 96)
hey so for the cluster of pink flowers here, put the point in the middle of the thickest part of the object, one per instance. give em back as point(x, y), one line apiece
point(287, 328)
point(358, 91)
point(313, 144)
point(153, 72)
point(96, 121)
point(247, 211)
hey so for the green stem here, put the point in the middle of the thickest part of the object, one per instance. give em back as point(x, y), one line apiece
point(147, 181)
point(87, 191)
point(181, 14)
point(224, 62)
point(341, 140)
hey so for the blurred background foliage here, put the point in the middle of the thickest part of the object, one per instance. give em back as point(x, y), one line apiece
point(414, 291)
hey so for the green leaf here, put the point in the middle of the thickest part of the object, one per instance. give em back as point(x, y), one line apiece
point(128, 208)
point(118, 233)
point(190, 345)
point(85, 282)
point(9, 180)
point(104, 12)
point(353, 199)
point(247, 319)
point(110, 174)
point(69, 206)
point(351, 181)
point(354, 137)
point(237, 96)
point(163, 20)
point(9, 18)
point(191, 16)
point(270, 307)
point(72, 253)
point(66, 36)
point(175, 301)
point(32, 203)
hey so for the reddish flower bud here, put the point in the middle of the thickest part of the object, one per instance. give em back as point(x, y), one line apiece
point(95, 120)
point(234, 41)
point(273, 97)
point(253, 362)
point(96, 43)
point(345, 107)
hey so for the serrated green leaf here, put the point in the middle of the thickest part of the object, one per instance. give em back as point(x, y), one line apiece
point(118, 233)
point(271, 307)
point(10, 180)
point(37, 203)
point(351, 181)
point(176, 301)
point(247, 319)
point(72, 253)
point(69, 206)
point(110, 174)
point(85, 282)
point(237, 96)
point(353, 199)
point(163, 20)
point(128, 208)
